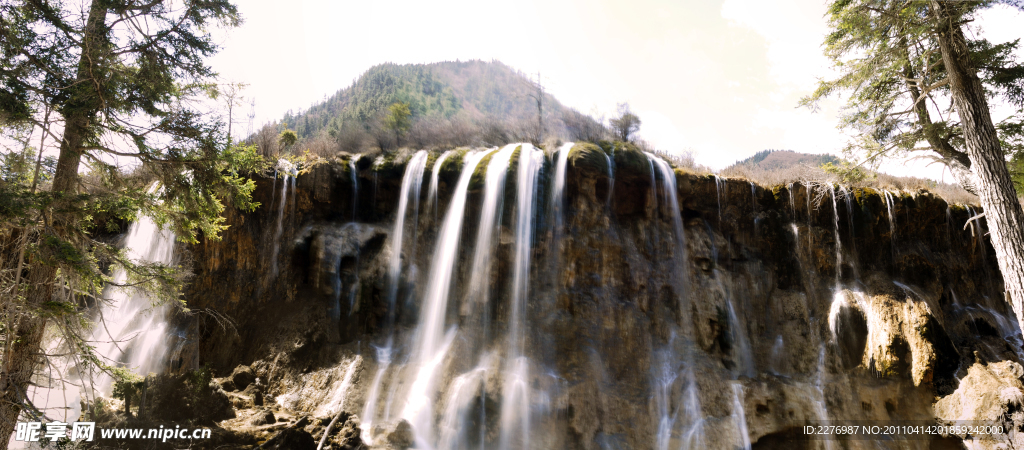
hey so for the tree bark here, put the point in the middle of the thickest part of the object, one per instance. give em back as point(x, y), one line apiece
point(21, 359)
point(994, 186)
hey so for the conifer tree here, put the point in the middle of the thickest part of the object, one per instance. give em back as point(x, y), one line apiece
point(919, 85)
point(119, 86)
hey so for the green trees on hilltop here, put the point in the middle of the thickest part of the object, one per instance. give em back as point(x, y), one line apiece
point(398, 119)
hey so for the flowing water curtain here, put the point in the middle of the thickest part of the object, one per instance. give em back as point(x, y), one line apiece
point(431, 341)
point(692, 433)
point(516, 395)
point(130, 330)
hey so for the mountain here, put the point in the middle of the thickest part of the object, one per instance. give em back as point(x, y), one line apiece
point(452, 101)
point(783, 159)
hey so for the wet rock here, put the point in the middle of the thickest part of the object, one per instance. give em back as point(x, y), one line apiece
point(228, 385)
point(290, 439)
point(262, 417)
point(991, 394)
point(399, 435)
point(242, 377)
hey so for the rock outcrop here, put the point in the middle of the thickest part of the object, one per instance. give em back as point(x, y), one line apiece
point(784, 306)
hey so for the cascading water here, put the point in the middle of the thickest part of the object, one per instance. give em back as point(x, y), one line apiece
point(611, 179)
point(134, 333)
point(411, 183)
point(718, 194)
point(434, 173)
point(810, 238)
point(431, 342)
point(557, 193)
point(130, 331)
point(739, 417)
point(355, 183)
point(693, 416)
point(515, 409)
point(839, 242)
point(848, 197)
point(892, 221)
point(490, 216)
point(288, 169)
point(463, 391)
point(753, 197)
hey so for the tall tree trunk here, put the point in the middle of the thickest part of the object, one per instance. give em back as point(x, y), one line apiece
point(994, 186)
point(21, 359)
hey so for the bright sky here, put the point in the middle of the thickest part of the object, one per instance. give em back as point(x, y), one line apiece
point(719, 77)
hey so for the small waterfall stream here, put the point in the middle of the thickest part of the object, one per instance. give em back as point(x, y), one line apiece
point(432, 341)
point(515, 410)
point(432, 189)
point(353, 172)
point(134, 332)
point(288, 169)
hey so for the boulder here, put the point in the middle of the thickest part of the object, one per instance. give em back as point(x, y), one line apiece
point(399, 435)
point(262, 417)
point(242, 377)
point(991, 394)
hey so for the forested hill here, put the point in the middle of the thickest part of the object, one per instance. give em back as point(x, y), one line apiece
point(784, 159)
point(450, 101)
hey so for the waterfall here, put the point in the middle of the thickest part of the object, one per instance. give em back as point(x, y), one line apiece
point(663, 382)
point(464, 389)
point(611, 179)
point(810, 239)
point(340, 389)
point(430, 342)
point(287, 168)
point(892, 221)
point(820, 409)
point(693, 415)
point(672, 203)
point(839, 242)
point(777, 348)
point(745, 365)
point(515, 407)
point(557, 194)
point(739, 417)
point(355, 183)
point(848, 197)
point(793, 202)
point(718, 194)
point(133, 332)
point(557, 200)
point(490, 218)
point(411, 182)
point(654, 184)
point(370, 408)
point(432, 190)
point(753, 196)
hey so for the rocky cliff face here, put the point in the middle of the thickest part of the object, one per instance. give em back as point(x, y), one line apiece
point(766, 308)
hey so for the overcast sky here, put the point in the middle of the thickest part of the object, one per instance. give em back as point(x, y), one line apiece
point(719, 77)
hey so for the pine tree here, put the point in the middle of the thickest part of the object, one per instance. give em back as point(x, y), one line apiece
point(120, 79)
point(901, 60)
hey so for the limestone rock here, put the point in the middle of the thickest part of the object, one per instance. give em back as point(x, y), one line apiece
point(262, 417)
point(399, 435)
point(242, 377)
point(990, 394)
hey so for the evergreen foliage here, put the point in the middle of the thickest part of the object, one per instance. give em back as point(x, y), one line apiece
point(118, 86)
point(899, 93)
point(450, 103)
